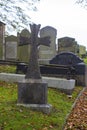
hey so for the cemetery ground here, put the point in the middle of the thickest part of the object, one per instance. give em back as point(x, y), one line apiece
point(13, 117)
point(77, 120)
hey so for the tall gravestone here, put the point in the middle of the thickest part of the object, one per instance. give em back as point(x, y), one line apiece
point(2, 40)
point(47, 53)
point(32, 91)
point(11, 46)
point(22, 49)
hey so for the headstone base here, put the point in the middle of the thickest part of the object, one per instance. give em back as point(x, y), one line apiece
point(45, 108)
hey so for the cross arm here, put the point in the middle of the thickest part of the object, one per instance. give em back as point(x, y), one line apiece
point(44, 41)
point(27, 40)
point(24, 40)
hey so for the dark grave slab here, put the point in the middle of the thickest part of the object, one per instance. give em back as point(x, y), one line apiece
point(66, 58)
point(76, 66)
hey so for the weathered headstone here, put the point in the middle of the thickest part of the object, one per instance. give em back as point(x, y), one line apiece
point(11, 47)
point(82, 51)
point(46, 53)
point(2, 40)
point(32, 91)
point(67, 44)
point(24, 57)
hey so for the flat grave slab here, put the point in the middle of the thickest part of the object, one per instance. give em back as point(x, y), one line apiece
point(65, 85)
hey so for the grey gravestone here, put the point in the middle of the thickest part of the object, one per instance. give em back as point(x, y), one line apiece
point(22, 49)
point(2, 40)
point(67, 44)
point(82, 50)
point(46, 53)
point(32, 90)
point(11, 47)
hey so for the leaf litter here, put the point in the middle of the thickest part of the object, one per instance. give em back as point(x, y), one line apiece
point(77, 120)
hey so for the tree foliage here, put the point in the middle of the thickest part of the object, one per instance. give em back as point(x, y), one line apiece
point(82, 2)
point(15, 13)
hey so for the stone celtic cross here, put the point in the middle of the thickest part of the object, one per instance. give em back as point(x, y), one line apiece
point(33, 90)
point(33, 67)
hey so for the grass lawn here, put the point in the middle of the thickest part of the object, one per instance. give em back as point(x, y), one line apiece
point(13, 117)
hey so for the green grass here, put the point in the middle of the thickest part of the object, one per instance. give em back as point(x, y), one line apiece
point(85, 60)
point(13, 117)
point(7, 68)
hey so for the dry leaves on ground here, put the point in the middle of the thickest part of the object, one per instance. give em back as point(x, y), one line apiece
point(77, 120)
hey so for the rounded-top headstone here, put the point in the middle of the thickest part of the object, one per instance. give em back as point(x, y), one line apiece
point(25, 33)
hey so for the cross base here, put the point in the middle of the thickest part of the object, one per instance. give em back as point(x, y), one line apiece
point(34, 96)
point(32, 93)
point(45, 108)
